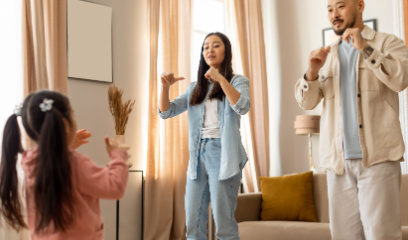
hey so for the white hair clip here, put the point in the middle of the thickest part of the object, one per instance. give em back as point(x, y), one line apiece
point(17, 109)
point(46, 105)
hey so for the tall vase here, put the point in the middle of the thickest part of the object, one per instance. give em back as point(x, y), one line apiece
point(120, 139)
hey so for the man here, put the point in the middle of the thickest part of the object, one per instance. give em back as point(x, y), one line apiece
point(361, 144)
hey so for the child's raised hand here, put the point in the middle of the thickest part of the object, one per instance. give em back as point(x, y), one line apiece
point(81, 138)
point(112, 144)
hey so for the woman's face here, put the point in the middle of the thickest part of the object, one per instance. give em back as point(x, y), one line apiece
point(214, 51)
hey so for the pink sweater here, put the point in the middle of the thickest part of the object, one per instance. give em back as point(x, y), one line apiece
point(89, 182)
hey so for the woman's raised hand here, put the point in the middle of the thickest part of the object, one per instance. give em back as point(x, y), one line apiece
point(168, 79)
point(213, 74)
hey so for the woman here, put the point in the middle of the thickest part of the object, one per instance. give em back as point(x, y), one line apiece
point(214, 103)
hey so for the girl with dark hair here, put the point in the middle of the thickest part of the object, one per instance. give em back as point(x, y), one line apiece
point(62, 187)
point(215, 103)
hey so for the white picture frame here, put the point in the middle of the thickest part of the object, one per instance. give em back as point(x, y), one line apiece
point(329, 36)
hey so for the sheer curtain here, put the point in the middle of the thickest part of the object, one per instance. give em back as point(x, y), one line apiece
point(33, 58)
point(11, 92)
point(165, 181)
point(246, 31)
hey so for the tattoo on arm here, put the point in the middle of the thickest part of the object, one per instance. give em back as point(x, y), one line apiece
point(367, 51)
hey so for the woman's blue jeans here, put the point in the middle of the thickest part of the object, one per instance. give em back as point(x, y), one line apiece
point(222, 194)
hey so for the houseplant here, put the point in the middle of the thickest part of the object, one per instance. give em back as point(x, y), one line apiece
point(120, 112)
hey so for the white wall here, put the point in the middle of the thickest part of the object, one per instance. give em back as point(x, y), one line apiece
point(296, 26)
point(90, 99)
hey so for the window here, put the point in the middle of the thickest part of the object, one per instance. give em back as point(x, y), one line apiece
point(11, 68)
point(208, 16)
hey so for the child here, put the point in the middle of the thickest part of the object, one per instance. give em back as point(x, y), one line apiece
point(62, 186)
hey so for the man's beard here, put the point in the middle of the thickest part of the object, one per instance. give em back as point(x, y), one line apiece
point(341, 31)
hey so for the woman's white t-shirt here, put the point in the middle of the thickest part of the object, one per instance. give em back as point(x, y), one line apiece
point(211, 128)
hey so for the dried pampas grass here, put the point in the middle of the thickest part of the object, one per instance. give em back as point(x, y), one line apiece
point(120, 112)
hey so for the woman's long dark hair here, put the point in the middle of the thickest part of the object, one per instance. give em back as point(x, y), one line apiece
point(201, 89)
point(53, 186)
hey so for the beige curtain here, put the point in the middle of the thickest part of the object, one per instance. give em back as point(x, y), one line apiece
point(45, 46)
point(167, 159)
point(246, 24)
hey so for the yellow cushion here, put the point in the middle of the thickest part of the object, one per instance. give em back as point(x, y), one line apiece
point(288, 198)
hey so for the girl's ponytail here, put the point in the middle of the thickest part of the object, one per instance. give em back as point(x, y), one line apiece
point(9, 196)
point(53, 184)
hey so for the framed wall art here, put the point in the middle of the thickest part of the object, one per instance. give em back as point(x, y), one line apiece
point(329, 36)
point(89, 34)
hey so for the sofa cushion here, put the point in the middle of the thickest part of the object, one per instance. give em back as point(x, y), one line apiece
point(321, 200)
point(248, 207)
point(288, 198)
point(404, 232)
point(283, 230)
